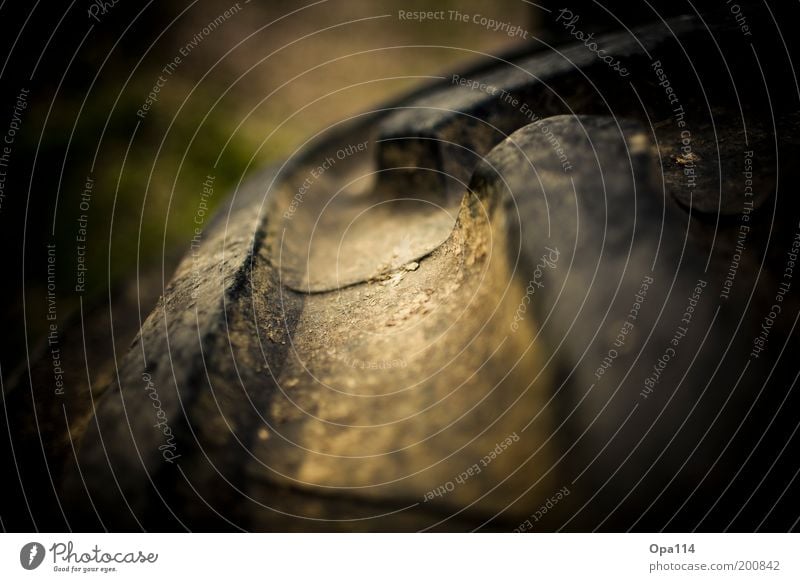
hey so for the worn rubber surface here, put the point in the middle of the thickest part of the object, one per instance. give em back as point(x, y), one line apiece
point(442, 314)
